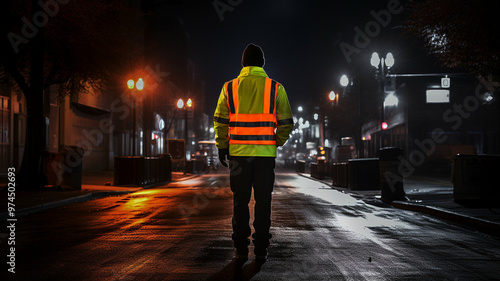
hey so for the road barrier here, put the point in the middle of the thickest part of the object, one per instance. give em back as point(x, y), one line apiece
point(196, 166)
point(343, 174)
point(334, 174)
point(141, 171)
point(301, 166)
point(475, 181)
point(339, 173)
point(364, 174)
point(319, 169)
point(314, 171)
point(391, 179)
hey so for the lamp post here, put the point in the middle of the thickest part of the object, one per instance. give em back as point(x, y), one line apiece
point(186, 106)
point(300, 109)
point(139, 85)
point(347, 87)
point(380, 64)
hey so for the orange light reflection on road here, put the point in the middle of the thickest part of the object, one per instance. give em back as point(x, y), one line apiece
point(149, 192)
point(138, 199)
point(136, 203)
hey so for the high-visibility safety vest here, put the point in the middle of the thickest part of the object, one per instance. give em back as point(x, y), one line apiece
point(259, 112)
point(252, 128)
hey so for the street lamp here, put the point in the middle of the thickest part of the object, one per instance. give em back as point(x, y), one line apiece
point(139, 85)
point(391, 100)
point(380, 64)
point(186, 106)
point(347, 89)
point(180, 104)
point(344, 81)
point(331, 96)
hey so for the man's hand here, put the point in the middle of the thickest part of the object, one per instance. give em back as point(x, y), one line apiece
point(222, 156)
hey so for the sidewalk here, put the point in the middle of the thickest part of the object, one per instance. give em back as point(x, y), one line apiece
point(95, 185)
point(434, 197)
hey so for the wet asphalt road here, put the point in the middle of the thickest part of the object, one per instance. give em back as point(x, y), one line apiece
point(182, 232)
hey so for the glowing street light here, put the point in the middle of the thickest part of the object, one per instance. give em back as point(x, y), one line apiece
point(186, 106)
point(130, 84)
point(389, 60)
point(180, 103)
point(331, 96)
point(380, 64)
point(139, 85)
point(344, 81)
point(391, 100)
point(375, 60)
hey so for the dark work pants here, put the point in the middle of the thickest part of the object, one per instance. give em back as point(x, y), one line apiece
point(246, 172)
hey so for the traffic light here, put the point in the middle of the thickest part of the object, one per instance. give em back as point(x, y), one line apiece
point(384, 126)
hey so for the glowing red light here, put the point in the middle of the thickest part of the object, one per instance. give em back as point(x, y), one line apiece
point(385, 125)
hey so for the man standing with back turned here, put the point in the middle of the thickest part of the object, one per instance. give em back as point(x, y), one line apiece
point(252, 118)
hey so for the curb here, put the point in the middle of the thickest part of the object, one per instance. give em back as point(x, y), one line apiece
point(82, 198)
point(482, 225)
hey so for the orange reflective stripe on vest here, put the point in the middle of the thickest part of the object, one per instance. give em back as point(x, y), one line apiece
point(252, 128)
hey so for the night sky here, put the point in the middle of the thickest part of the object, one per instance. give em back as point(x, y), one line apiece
point(300, 40)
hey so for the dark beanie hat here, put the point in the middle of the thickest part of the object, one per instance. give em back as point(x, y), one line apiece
point(252, 56)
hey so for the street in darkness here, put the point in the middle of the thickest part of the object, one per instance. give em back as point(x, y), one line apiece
point(105, 104)
point(182, 231)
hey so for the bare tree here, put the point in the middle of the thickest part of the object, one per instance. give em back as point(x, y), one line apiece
point(461, 33)
point(82, 46)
